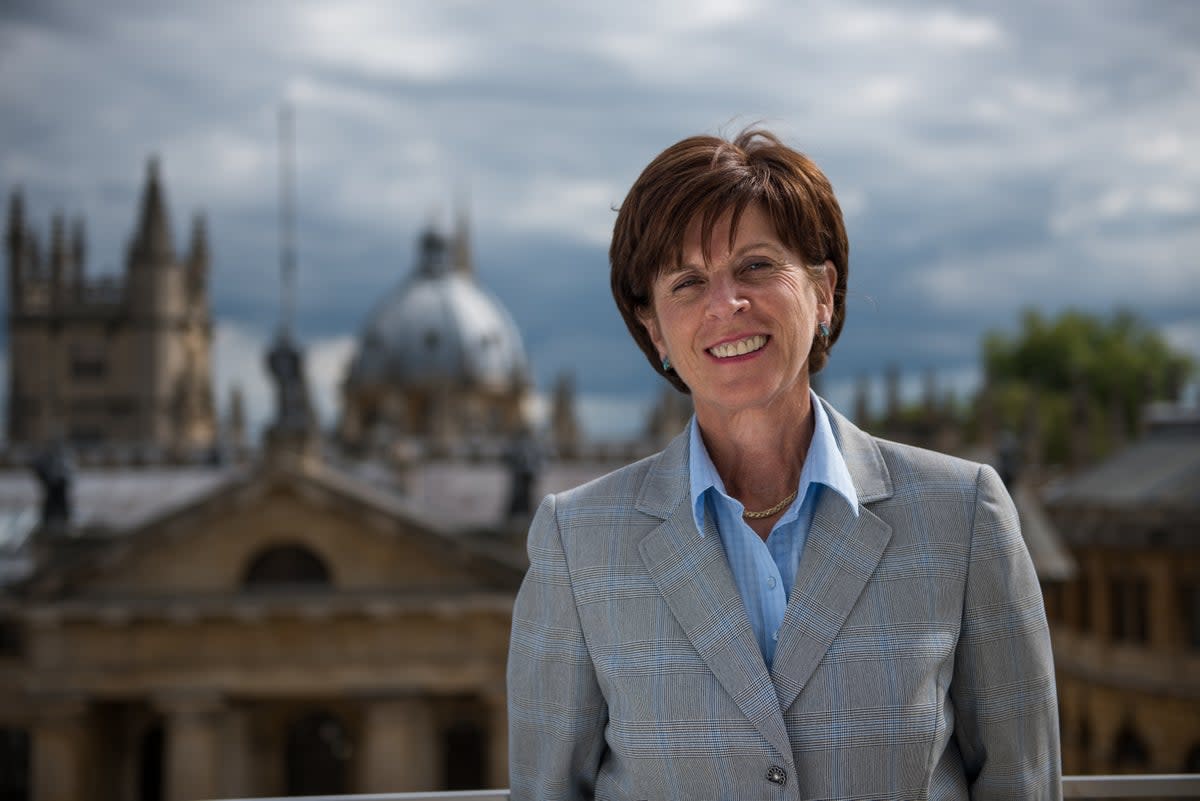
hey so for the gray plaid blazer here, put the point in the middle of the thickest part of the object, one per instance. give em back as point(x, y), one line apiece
point(913, 663)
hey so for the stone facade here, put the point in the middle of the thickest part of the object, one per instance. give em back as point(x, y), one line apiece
point(1126, 628)
point(291, 632)
point(110, 363)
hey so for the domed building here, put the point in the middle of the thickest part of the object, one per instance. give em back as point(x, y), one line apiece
point(440, 367)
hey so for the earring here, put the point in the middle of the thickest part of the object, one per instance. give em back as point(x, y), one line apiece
point(666, 364)
point(823, 330)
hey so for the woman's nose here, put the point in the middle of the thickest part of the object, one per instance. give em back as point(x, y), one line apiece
point(725, 297)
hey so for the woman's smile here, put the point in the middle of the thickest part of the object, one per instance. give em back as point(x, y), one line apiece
point(739, 347)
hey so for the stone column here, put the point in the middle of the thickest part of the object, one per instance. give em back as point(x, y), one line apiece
point(400, 746)
point(193, 748)
point(496, 704)
point(61, 755)
point(1162, 592)
point(235, 777)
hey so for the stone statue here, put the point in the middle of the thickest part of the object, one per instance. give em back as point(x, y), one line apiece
point(55, 472)
point(293, 409)
point(524, 461)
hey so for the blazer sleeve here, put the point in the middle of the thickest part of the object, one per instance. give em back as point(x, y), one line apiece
point(556, 711)
point(1006, 710)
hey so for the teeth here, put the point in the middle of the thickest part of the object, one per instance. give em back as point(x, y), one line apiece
point(739, 348)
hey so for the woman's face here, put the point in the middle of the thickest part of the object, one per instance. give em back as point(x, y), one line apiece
point(738, 327)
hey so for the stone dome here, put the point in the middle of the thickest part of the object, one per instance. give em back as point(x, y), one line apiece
point(439, 328)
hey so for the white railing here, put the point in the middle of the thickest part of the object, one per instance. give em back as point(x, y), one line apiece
point(1184, 785)
point(1175, 785)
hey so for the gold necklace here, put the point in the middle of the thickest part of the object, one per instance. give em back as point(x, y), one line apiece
point(774, 510)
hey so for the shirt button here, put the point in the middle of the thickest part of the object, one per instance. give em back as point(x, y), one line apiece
point(775, 635)
point(771, 582)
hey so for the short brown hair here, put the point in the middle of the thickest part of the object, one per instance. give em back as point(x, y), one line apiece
point(703, 178)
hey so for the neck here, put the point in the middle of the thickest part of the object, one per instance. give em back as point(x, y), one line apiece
point(759, 453)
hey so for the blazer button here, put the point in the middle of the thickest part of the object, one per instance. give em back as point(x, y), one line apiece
point(777, 775)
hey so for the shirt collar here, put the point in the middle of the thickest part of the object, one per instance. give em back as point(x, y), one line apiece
point(824, 464)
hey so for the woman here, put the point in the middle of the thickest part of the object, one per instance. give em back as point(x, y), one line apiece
point(777, 605)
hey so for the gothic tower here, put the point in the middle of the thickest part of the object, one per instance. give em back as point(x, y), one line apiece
point(111, 364)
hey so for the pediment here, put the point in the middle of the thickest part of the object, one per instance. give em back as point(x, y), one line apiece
point(369, 542)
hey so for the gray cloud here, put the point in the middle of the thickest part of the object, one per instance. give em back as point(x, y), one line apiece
point(989, 157)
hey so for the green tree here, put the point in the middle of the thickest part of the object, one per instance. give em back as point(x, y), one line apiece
point(1080, 368)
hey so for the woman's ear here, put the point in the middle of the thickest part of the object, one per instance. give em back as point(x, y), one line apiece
point(649, 321)
point(826, 286)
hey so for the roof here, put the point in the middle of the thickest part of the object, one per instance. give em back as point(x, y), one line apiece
point(109, 499)
point(439, 326)
point(1162, 469)
point(464, 495)
point(104, 503)
point(124, 509)
point(1051, 559)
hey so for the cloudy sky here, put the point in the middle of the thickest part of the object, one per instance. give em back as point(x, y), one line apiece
point(988, 156)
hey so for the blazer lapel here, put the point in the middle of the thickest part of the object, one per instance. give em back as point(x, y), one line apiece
point(840, 555)
point(693, 575)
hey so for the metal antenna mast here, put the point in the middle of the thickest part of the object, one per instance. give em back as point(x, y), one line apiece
point(287, 221)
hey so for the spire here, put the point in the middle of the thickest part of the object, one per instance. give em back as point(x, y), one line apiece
point(433, 258)
point(463, 258)
point(287, 219)
point(862, 402)
point(294, 430)
point(893, 394)
point(237, 422)
point(58, 254)
point(78, 250)
point(564, 421)
point(198, 247)
point(197, 259)
point(152, 243)
point(17, 251)
point(16, 217)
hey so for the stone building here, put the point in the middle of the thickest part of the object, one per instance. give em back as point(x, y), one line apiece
point(1127, 627)
point(278, 629)
point(110, 364)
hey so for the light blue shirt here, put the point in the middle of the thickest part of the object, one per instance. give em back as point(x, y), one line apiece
point(765, 571)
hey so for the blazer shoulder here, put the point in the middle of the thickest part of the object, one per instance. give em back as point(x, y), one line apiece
point(931, 469)
point(618, 488)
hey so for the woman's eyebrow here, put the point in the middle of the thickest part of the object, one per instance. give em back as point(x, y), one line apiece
point(765, 244)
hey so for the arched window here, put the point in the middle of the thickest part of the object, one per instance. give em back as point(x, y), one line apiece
point(152, 754)
point(1083, 739)
point(286, 566)
point(318, 755)
point(464, 755)
point(1129, 603)
point(14, 765)
point(1189, 609)
point(1130, 754)
point(1192, 763)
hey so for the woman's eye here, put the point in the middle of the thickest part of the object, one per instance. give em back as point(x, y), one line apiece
point(684, 284)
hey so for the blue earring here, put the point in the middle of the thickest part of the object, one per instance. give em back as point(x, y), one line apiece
point(666, 364)
point(823, 330)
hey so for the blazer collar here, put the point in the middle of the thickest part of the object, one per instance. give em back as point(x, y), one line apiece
point(870, 475)
point(666, 484)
